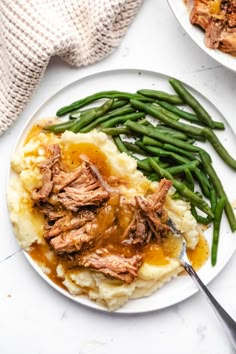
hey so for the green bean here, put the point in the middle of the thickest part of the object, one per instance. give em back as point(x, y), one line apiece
point(165, 111)
point(116, 131)
point(69, 125)
point(116, 104)
point(219, 148)
point(197, 137)
point(191, 141)
point(153, 177)
point(120, 145)
point(183, 190)
point(139, 143)
point(176, 135)
point(174, 170)
point(188, 98)
point(216, 229)
point(202, 179)
point(213, 197)
point(207, 156)
point(135, 148)
point(163, 164)
point(167, 130)
point(161, 152)
point(199, 194)
point(91, 116)
point(94, 97)
point(144, 165)
point(218, 125)
point(193, 118)
point(219, 189)
point(203, 182)
point(176, 196)
point(150, 141)
point(59, 128)
point(159, 114)
point(145, 122)
point(117, 112)
point(80, 113)
point(200, 219)
point(150, 131)
point(169, 114)
point(122, 119)
point(189, 180)
point(179, 151)
point(161, 96)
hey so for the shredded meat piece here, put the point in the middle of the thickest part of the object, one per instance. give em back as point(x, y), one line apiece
point(231, 19)
point(46, 171)
point(68, 223)
point(62, 179)
point(228, 41)
point(52, 212)
point(158, 198)
point(83, 190)
point(73, 198)
point(200, 13)
point(112, 265)
point(72, 189)
point(138, 231)
point(72, 241)
point(219, 23)
point(213, 33)
point(150, 219)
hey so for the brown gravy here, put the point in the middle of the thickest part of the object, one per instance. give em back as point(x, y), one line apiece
point(155, 255)
point(112, 221)
point(200, 254)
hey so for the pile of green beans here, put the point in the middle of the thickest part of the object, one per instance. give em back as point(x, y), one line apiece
point(148, 126)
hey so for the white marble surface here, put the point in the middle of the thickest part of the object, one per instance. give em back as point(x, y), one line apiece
point(35, 319)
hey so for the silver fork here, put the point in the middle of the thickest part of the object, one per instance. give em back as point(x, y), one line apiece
point(227, 322)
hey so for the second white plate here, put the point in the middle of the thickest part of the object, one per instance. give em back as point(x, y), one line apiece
point(182, 15)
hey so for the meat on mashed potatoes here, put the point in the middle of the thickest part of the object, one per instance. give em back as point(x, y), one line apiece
point(95, 224)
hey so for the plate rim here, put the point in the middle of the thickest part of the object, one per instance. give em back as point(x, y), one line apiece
point(77, 298)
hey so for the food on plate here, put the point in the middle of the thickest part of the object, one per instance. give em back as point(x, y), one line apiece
point(94, 223)
point(218, 19)
point(101, 201)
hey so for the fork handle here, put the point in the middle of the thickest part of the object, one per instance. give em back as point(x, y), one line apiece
point(227, 322)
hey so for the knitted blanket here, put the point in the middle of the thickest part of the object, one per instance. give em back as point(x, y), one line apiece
point(81, 32)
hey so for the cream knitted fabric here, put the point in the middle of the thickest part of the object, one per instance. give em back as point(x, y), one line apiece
point(31, 31)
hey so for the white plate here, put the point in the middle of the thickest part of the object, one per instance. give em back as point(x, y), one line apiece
point(182, 14)
point(131, 80)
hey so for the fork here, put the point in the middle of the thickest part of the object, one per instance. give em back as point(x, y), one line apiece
point(227, 322)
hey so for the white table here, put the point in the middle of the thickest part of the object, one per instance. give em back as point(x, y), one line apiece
point(35, 319)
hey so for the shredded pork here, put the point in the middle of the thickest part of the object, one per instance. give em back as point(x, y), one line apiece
point(218, 19)
point(150, 218)
point(73, 202)
point(114, 266)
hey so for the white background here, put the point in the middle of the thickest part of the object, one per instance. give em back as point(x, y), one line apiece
point(35, 319)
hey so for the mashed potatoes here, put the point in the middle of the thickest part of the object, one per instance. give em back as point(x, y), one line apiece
point(28, 224)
